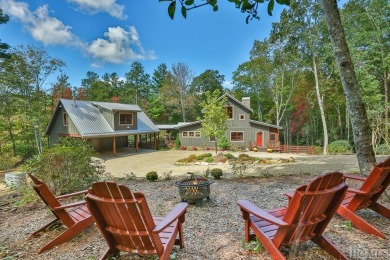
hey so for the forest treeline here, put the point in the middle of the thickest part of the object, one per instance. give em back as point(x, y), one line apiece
point(291, 78)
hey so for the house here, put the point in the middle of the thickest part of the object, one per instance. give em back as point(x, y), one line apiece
point(107, 125)
point(242, 132)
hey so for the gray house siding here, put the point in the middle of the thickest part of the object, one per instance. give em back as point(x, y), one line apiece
point(117, 126)
point(241, 132)
point(60, 129)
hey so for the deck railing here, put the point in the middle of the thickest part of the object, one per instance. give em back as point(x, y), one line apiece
point(296, 149)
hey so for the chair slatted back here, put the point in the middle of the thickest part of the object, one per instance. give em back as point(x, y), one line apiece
point(375, 184)
point(311, 208)
point(50, 200)
point(123, 218)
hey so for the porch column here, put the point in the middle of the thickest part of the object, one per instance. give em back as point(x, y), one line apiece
point(136, 143)
point(114, 145)
point(155, 142)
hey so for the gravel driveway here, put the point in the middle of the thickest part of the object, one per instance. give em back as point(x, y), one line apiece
point(128, 161)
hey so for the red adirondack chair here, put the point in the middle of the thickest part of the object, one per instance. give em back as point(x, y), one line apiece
point(306, 217)
point(74, 216)
point(125, 221)
point(367, 197)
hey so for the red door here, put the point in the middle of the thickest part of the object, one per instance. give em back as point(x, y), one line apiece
point(259, 139)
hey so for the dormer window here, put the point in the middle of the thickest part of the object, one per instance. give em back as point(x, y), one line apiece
point(229, 112)
point(125, 119)
point(65, 118)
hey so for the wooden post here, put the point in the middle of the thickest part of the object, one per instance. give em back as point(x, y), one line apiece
point(136, 143)
point(155, 142)
point(114, 146)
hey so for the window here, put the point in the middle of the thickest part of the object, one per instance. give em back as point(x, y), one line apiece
point(65, 118)
point(236, 136)
point(125, 119)
point(242, 117)
point(229, 112)
point(272, 137)
point(212, 139)
point(191, 134)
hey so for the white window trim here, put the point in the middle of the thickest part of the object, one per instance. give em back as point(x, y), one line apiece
point(188, 134)
point(65, 121)
point(132, 118)
point(243, 136)
point(239, 117)
point(232, 112)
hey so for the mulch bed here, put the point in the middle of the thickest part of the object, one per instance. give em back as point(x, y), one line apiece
point(212, 231)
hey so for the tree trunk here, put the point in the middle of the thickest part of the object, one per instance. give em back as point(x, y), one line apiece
point(321, 105)
point(360, 126)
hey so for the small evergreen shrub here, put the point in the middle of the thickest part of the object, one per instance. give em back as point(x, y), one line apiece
point(152, 176)
point(216, 173)
point(224, 143)
point(209, 159)
point(207, 155)
point(340, 147)
point(382, 149)
point(177, 142)
point(199, 157)
point(229, 156)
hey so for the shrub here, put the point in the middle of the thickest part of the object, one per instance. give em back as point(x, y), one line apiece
point(177, 142)
point(224, 143)
point(382, 149)
point(8, 162)
point(207, 155)
point(340, 147)
point(199, 157)
point(194, 148)
point(67, 166)
point(152, 176)
point(229, 156)
point(183, 148)
point(209, 159)
point(243, 156)
point(192, 157)
point(216, 173)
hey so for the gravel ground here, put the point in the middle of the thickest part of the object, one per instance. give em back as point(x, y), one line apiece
point(212, 231)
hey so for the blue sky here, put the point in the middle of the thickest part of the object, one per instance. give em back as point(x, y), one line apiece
point(109, 35)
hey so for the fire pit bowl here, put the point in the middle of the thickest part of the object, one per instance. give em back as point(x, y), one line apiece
point(194, 189)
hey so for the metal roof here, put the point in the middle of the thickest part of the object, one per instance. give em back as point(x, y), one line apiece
point(117, 106)
point(265, 124)
point(90, 122)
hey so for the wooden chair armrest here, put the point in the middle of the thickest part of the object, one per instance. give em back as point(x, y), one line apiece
point(72, 194)
point(174, 214)
point(71, 205)
point(354, 177)
point(289, 194)
point(356, 191)
point(256, 211)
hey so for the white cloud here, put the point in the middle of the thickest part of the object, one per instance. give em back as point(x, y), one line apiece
point(119, 47)
point(227, 84)
point(105, 6)
point(42, 27)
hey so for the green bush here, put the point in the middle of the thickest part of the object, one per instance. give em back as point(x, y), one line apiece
point(207, 155)
point(177, 142)
point(382, 149)
point(340, 147)
point(8, 162)
point(67, 167)
point(152, 176)
point(209, 159)
point(229, 156)
point(216, 173)
point(199, 157)
point(223, 143)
